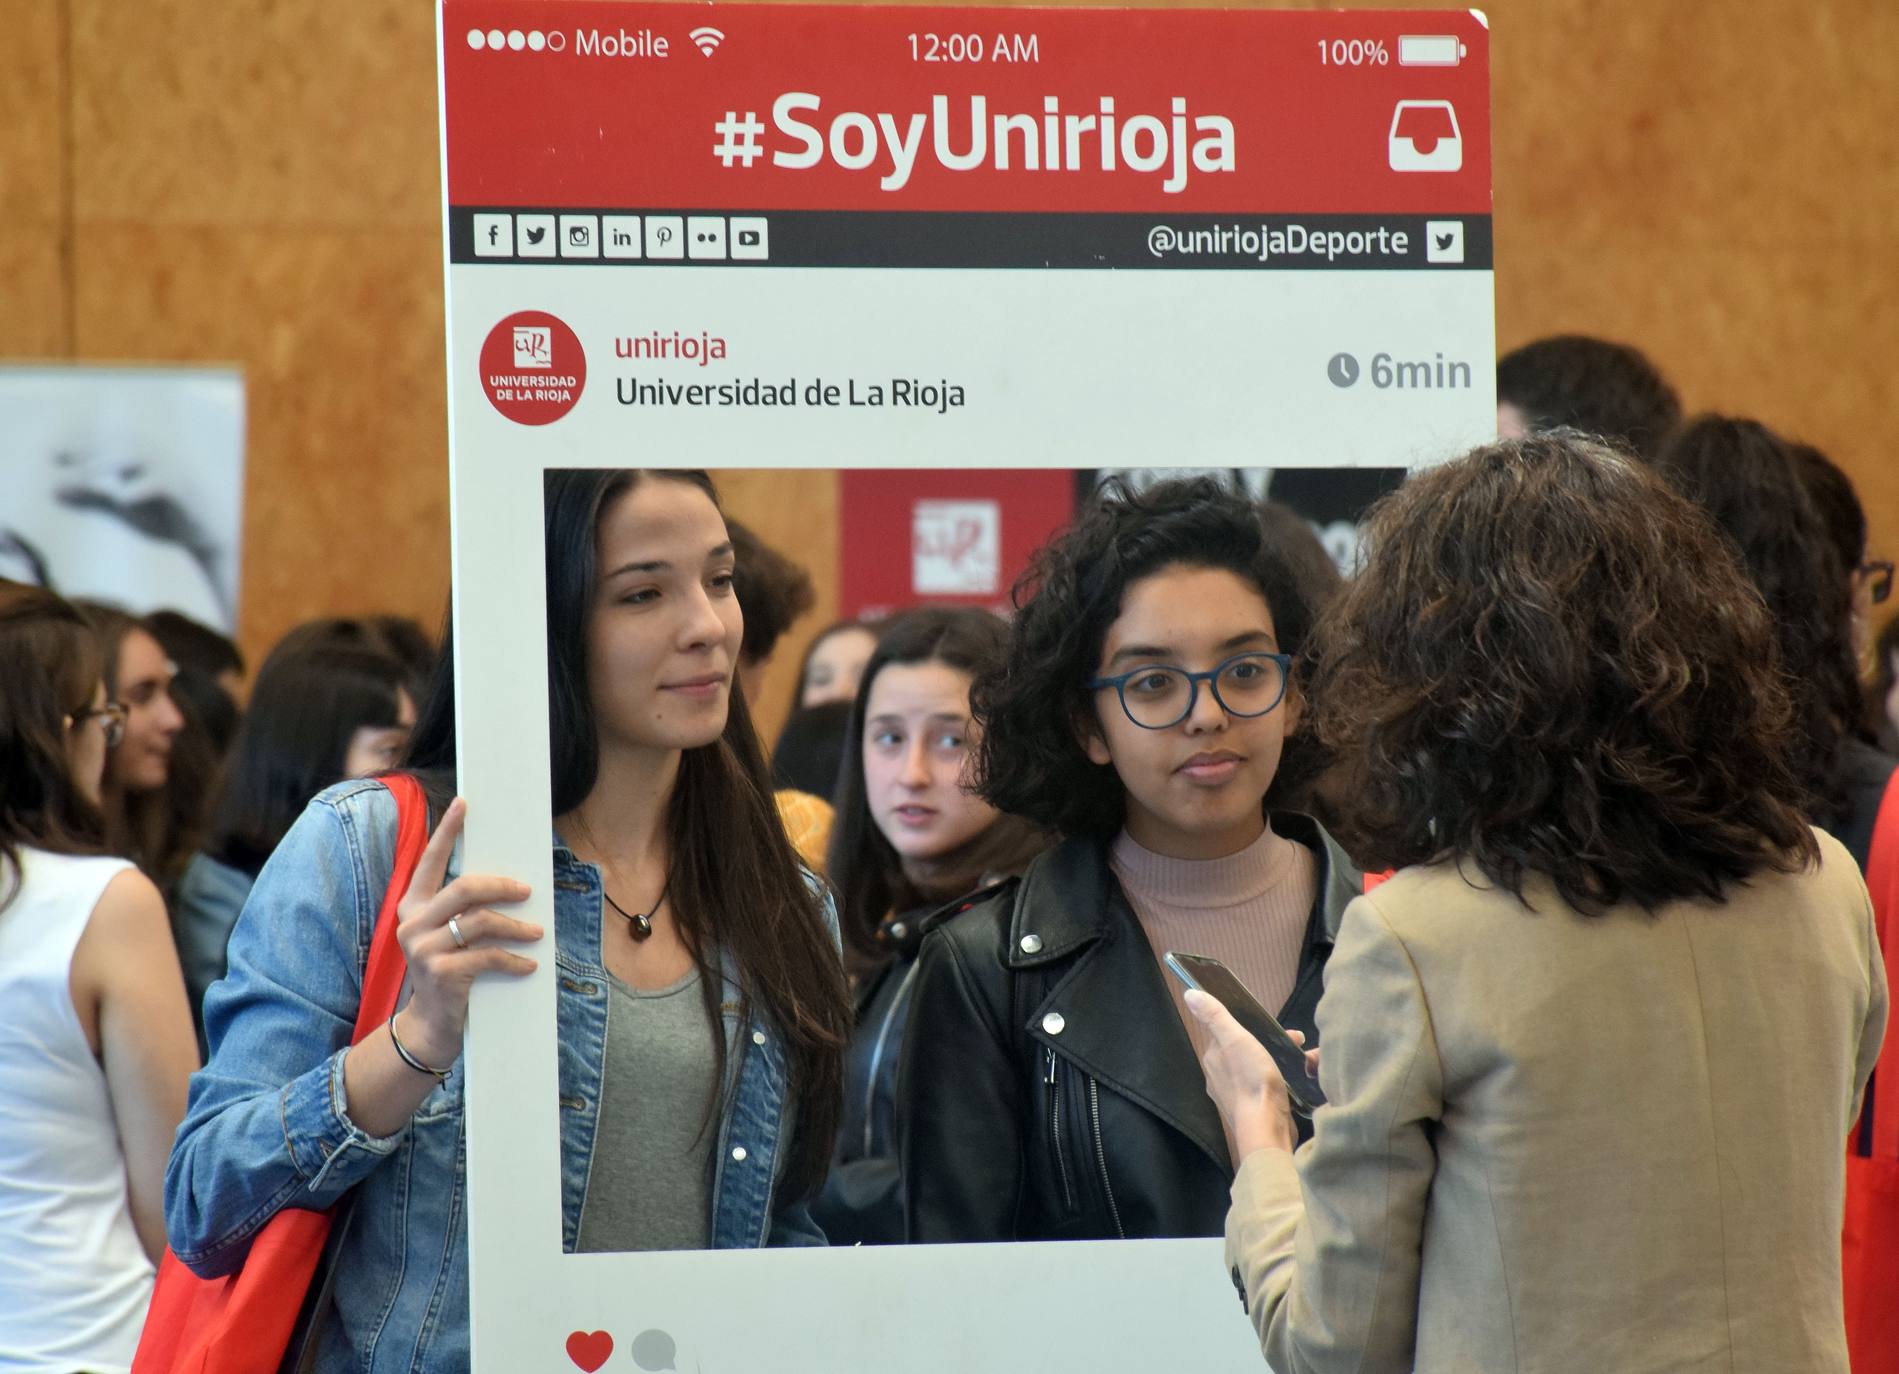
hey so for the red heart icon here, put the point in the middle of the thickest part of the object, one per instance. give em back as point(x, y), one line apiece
point(589, 1349)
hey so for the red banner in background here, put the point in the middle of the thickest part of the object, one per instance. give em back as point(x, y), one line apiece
point(970, 535)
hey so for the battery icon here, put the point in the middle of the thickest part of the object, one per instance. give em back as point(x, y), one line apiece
point(1429, 50)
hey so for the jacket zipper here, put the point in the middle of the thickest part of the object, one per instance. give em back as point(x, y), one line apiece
point(1055, 1131)
point(1101, 1156)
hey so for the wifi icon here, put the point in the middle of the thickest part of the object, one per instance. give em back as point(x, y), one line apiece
point(708, 39)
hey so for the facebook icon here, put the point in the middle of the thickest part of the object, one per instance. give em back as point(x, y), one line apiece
point(494, 236)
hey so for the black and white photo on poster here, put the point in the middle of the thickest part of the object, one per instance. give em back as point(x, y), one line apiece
point(124, 484)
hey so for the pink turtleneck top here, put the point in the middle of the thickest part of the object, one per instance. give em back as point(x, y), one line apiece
point(1248, 910)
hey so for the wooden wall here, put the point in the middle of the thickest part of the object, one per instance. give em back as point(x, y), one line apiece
point(255, 181)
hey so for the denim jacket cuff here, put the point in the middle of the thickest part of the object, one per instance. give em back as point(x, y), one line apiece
point(329, 1150)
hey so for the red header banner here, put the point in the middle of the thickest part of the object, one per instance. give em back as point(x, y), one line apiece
point(1014, 110)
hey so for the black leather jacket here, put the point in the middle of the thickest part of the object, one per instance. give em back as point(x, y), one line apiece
point(862, 1200)
point(1048, 1089)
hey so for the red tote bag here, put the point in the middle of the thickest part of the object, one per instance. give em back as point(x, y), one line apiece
point(242, 1323)
point(1870, 1260)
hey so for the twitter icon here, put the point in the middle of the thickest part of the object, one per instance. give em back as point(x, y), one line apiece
point(536, 236)
point(1444, 240)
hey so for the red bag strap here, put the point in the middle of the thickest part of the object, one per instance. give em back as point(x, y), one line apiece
point(1882, 882)
point(382, 979)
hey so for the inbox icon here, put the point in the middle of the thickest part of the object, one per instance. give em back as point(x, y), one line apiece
point(1425, 137)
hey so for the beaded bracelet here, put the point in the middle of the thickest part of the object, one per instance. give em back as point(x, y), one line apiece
point(439, 1075)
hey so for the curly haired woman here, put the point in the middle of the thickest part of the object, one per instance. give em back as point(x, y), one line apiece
point(1048, 1089)
point(1591, 1055)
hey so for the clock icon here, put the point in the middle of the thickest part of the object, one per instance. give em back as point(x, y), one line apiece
point(1343, 369)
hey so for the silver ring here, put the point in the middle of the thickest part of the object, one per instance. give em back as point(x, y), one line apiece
point(455, 933)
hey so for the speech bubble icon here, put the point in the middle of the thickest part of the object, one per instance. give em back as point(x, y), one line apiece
point(654, 1351)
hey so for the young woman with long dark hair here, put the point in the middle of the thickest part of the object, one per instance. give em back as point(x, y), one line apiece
point(95, 1044)
point(702, 1003)
point(1048, 1087)
point(1747, 478)
point(1592, 1054)
point(147, 821)
point(910, 838)
point(316, 717)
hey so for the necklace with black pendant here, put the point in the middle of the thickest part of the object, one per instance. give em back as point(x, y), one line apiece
point(639, 922)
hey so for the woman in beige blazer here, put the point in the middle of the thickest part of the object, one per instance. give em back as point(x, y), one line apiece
point(1591, 1056)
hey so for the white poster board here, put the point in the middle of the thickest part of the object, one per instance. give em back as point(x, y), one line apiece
point(819, 237)
point(124, 484)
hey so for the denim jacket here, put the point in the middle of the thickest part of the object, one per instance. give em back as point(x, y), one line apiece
point(266, 1126)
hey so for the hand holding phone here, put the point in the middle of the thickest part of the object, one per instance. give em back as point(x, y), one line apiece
point(1209, 975)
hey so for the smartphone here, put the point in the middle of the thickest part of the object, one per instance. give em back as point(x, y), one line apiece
point(1215, 979)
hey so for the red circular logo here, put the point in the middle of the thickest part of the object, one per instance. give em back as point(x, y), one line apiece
point(532, 367)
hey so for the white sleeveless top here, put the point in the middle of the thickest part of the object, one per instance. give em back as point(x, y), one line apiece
point(74, 1281)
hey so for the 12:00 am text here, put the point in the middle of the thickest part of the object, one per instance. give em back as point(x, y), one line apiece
point(971, 47)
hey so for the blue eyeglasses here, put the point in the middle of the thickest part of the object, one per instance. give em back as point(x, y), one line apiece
point(1161, 695)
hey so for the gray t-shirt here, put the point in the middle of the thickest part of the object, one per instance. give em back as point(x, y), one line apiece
point(650, 1183)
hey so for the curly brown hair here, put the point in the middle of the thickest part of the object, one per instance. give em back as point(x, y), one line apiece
point(1551, 663)
point(1031, 762)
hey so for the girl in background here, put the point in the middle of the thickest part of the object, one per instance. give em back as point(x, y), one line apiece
point(317, 715)
point(1746, 477)
point(834, 662)
point(95, 1041)
point(145, 820)
point(910, 838)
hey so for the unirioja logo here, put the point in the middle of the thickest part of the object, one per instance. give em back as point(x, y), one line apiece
point(956, 548)
point(533, 367)
point(533, 346)
point(1055, 140)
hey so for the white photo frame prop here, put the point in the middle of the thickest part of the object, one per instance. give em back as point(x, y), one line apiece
point(820, 237)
